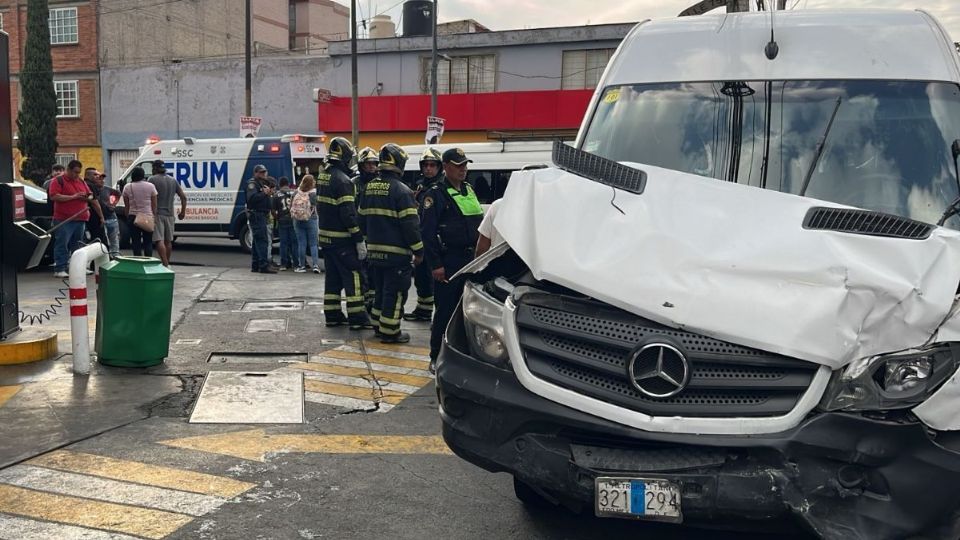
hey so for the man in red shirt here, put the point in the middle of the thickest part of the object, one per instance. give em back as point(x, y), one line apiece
point(72, 201)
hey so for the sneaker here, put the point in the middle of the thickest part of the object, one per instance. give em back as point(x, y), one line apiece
point(300, 270)
point(331, 323)
point(61, 274)
point(402, 337)
point(316, 270)
point(267, 270)
point(283, 269)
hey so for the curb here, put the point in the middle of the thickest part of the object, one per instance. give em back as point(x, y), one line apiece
point(29, 345)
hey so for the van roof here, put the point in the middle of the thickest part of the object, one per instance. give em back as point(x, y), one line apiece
point(511, 155)
point(814, 45)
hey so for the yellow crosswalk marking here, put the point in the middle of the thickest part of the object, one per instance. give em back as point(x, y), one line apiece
point(142, 473)
point(410, 380)
point(120, 518)
point(385, 360)
point(398, 348)
point(389, 396)
point(7, 392)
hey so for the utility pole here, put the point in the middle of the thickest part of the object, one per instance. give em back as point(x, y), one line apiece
point(354, 101)
point(246, 55)
point(433, 65)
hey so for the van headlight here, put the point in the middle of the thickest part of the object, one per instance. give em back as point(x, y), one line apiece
point(890, 381)
point(483, 320)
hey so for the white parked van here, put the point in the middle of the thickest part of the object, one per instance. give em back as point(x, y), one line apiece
point(212, 173)
point(493, 163)
point(737, 297)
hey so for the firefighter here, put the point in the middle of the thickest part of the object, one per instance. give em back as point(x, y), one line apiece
point(389, 220)
point(340, 237)
point(367, 161)
point(451, 218)
point(430, 174)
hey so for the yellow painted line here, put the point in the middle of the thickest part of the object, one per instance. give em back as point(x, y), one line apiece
point(142, 473)
point(255, 444)
point(386, 360)
point(87, 513)
point(398, 348)
point(7, 392)
point(388, 396)
point(409, 380)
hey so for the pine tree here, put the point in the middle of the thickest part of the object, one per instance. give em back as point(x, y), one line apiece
point(37, 121)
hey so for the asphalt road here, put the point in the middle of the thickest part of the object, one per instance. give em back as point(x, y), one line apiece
point(116, 456)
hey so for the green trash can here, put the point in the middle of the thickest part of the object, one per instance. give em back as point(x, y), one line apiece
point(134, 302)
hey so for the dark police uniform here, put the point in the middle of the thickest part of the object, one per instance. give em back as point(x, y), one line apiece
point(422, 279)
point(258, 207)
point(451, 218)
point(389, 220)
point(339, 236)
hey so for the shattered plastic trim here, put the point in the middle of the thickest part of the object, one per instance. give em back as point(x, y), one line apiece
point(700, 426)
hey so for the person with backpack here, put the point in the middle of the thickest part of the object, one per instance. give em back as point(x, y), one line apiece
point(72, 200)
point(289, 246)
point(303, 212)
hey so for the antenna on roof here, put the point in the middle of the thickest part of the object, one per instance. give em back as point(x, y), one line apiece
point(772, 49)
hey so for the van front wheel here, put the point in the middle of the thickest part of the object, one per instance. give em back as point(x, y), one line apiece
point(246, 238)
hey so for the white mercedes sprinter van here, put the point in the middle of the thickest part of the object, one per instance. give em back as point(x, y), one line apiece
point(736, 296)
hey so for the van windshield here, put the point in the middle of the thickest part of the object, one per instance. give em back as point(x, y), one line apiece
point(888, 148)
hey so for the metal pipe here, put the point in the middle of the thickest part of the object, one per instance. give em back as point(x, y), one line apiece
point(246, 54)
point(433, 64)
point(79, 327)
point(354, 104)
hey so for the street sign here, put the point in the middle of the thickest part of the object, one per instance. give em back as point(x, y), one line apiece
point(250, 126)
point(434, 130)
point(322, 95)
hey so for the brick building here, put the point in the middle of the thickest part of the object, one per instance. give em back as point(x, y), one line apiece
point(73, 47)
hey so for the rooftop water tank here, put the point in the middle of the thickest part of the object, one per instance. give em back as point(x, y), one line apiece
point(417, 18)
point(382, 27)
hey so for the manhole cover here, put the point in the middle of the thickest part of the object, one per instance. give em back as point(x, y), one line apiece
point(266, 325)
point(231, 397)
point(257, 358)
point(272, 306)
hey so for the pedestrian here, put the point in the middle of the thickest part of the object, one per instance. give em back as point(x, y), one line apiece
point(72, 201)
point(489, 236)
point(303, 211)
point(258, 208)
point(108, 205)
point(272, 224)
point(55, 171)
point(288, 235)
point(430, 174)
point(343, 245)
point(95, 222)
point(389, 220)
point(367, 161)
point(451, 218)
point(167, 187)
point(140, 201)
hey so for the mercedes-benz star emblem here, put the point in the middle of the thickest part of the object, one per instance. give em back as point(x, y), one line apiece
point(658, 370)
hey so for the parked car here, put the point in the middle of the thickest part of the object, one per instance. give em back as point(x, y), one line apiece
point(735, 298)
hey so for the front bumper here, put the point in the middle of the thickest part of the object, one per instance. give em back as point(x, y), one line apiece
point(843, 475)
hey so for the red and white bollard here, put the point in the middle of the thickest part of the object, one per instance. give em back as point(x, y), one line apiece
point(79, 327)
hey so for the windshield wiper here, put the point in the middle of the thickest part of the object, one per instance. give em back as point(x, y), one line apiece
point(820, 146)
point(954, 207)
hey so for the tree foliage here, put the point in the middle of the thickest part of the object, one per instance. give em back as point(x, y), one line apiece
point(37, 120)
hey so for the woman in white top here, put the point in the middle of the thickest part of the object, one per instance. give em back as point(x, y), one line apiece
point(140, 197)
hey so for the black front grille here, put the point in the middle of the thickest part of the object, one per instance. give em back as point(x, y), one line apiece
point(584, 346)
point(848, 220)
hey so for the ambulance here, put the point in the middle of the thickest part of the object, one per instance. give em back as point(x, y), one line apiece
point(212, 172)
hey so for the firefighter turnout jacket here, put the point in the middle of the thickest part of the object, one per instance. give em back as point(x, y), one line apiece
point(336, 207)
point(389, 221)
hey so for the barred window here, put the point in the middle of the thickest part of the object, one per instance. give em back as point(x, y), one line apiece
point(462, 74)
point(64, 159)
point(68, 99)
point(582, 69)
point(63, 26)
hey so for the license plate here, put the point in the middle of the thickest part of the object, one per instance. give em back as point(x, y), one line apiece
point(638, 498)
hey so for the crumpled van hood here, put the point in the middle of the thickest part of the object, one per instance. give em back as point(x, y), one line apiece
point(733, 262)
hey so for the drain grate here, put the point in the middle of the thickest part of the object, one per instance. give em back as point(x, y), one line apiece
point(272, 306)
point(265, 325)
point(256, 358)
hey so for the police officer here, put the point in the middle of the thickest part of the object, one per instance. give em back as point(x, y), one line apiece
point(451, 217)
point(340, 237)
point(367, 161)
point(430, 174)
point(389, 219)
point(259, 193)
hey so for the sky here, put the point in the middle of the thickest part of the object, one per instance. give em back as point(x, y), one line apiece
point(510, 14)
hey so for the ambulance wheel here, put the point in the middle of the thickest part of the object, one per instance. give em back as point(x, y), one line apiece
point(246, 238)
